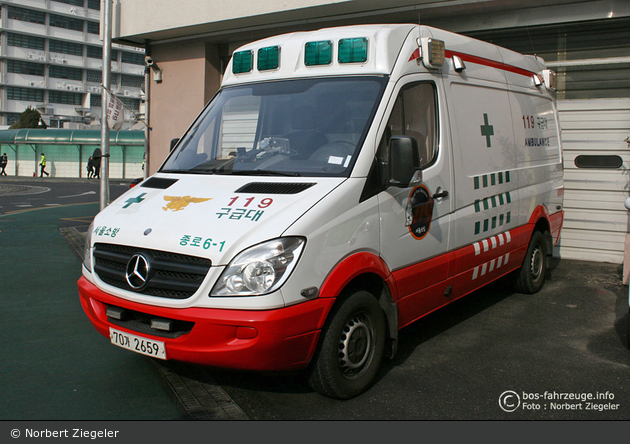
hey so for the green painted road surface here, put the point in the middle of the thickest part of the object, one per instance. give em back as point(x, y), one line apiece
point(55, 366)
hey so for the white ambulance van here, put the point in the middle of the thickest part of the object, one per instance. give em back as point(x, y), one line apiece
point(342, 184)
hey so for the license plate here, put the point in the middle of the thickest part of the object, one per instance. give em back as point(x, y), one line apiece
point(138, 344)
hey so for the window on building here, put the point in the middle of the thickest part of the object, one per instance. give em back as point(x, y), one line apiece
point(26, 15)
point(133, 57)
point(65, 47)
point(26, 94)
point(96, 100)
point(94, 4)
point(60, 21)
point(19, 67)
point(132, 104)
point(63, 72)
point(94, 76)
point(133, 81)
point(96, 52)
point(71, 2)
point(13, 118)
point(65, 98)
point(93, 28)
point(25, 41)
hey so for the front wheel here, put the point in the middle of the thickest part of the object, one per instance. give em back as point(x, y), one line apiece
point(351, 348)
point(532, 275)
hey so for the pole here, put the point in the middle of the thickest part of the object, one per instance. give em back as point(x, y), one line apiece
point(147, 107)
point(107, 74)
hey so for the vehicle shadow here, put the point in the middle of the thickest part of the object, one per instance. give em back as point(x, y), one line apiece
point(447, 317)
point(410, 338)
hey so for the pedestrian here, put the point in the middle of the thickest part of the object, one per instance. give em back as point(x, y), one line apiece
point(96, 161)
point(90, 168)
point(42, 164)
point(3, 164)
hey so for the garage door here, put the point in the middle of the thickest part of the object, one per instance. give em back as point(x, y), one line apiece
point(597, 181)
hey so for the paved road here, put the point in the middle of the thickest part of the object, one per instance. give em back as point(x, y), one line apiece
point(18, 194)
point(569, 341)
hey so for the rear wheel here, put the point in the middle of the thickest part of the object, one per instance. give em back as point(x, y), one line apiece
point(533, 273)
point(351, 348)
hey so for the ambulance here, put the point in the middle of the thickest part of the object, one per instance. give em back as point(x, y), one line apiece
point(342, 184)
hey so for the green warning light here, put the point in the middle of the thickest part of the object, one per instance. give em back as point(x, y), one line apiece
point(353, 50)
point(268, 58)
point(242, 61)
point(318, 53)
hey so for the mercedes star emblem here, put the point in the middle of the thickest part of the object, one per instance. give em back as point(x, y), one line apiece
point(137, 273)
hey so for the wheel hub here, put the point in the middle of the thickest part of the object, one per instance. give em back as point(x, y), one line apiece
point(536, 265)
point(355, 345)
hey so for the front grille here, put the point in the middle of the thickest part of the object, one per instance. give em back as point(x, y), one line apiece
point(171, 275)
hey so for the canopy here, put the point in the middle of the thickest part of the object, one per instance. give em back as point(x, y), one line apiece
point(69, 137)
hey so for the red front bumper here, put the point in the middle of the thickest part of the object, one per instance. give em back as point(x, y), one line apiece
point(268, 340)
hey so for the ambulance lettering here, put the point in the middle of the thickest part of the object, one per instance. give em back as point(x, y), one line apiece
point(246, 211)
point(419, 212)
point(198, 241)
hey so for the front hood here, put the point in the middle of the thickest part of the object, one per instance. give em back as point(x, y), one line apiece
point(211, 216)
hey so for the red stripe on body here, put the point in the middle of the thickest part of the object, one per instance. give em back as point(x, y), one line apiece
point(480, 61)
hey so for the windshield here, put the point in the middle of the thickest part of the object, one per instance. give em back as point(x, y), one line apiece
point(311, 127)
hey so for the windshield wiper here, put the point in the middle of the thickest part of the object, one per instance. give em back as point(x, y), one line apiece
point(193, 171)
point(263, 173)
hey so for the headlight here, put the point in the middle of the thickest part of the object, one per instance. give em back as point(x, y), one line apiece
point(87, 249)
point(260, 269)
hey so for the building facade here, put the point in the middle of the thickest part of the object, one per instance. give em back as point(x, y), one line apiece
point(585, 41)
point(51, 59)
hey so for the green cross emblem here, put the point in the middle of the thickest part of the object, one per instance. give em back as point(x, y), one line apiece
point(487, 130)
point(133, 200)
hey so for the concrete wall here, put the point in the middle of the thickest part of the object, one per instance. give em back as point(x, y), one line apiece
point(190, 78)
point(138, 17)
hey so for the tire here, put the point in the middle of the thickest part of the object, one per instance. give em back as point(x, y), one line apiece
point(351, 348)
point(533, 273)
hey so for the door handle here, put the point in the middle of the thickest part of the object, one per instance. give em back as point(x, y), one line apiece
point(440, 194)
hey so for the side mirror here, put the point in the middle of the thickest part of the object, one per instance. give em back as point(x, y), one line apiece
point(173, 143)
point(404, 161)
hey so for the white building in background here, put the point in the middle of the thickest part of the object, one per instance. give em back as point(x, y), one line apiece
point(51, 59)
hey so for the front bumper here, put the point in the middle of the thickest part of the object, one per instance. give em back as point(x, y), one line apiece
point(266, 340)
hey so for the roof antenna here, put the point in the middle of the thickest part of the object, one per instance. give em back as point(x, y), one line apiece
point(531, 42)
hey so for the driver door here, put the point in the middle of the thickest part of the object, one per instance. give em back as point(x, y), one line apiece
point(415, 220)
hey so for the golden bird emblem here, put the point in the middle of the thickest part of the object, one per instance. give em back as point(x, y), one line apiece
point(178, 203)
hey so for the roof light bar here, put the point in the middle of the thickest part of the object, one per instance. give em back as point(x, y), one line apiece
point(242, 62)
point(268, 58)
point(433, 52)
point(551, 79)
point(318, 53)
point(353, 50)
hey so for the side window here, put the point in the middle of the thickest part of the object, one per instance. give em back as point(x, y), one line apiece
point(414, 114)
